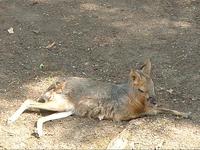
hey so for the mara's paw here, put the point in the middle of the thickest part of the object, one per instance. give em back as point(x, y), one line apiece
point(38, 133)
point(10, 120)
point(187, 115)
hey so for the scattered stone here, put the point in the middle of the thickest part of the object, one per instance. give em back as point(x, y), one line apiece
point(36, 31)
point(41, 66)
point(11, 30)
point(170, 91)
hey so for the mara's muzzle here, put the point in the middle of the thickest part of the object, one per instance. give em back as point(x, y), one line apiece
point(152, 100)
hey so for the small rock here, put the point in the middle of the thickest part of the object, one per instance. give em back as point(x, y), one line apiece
point(11, 30)
point(41, 66)
point(36, 31)
point(84, 73)
point(74, 32)
point(170, 91)
point(194, 99)
point(86, 63)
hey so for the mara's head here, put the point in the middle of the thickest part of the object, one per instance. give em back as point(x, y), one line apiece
point(142, 83)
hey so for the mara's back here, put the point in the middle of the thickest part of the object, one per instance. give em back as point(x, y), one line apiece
point(85, 88)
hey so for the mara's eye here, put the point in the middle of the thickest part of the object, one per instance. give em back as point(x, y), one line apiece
point(141, 90)
point(133, 77)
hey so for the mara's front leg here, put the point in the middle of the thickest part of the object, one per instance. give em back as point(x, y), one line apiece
point(173, 112)
point(156, 111)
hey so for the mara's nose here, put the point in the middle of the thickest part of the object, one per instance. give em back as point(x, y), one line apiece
point(152, 100)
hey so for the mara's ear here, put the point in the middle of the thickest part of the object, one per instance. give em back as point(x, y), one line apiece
point(146, 67)
point(135, 76)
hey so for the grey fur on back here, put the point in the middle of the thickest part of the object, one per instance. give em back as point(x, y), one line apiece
point(83, 87)
point(96, 99)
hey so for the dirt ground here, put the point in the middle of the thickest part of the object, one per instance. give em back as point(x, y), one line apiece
point(100, 39)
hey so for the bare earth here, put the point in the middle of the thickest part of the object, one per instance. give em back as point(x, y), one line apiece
point(100, 39)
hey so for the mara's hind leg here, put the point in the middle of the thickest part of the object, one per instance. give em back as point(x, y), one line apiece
point(51, 106)
point(42, 120)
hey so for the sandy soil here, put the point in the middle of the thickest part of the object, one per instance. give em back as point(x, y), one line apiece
point(100, 40)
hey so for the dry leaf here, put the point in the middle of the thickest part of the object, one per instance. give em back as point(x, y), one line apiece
point(51, 45)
